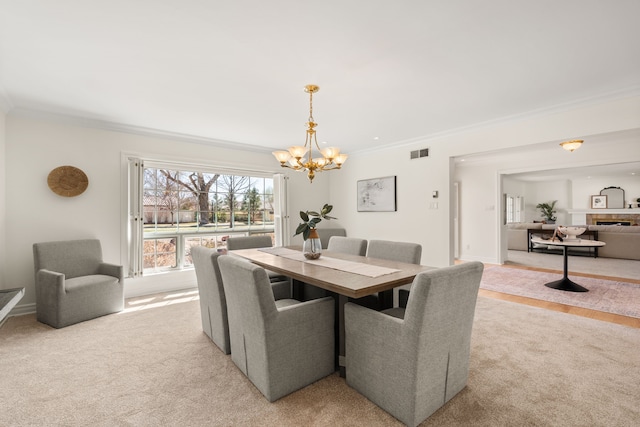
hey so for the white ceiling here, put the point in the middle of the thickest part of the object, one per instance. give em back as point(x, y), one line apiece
point(234, 70)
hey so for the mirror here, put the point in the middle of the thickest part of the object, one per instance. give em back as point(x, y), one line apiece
point(615, 197)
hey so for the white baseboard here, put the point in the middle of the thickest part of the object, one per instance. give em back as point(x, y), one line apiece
point(484, 260)
point(20, 310)
point(161, 282)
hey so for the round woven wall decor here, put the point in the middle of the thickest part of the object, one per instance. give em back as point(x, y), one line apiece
point(67, 181)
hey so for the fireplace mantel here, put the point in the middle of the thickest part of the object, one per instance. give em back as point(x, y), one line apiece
point(590, 216)
point(634, 211)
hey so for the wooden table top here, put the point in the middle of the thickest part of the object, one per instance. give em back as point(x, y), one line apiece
point(342, 282)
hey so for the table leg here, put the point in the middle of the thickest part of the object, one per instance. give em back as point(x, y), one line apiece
point(386, 299)
point(297, 289)
point(565, 284)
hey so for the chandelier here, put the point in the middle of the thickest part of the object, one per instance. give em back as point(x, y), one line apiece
point(571, 145)
point(300, 158)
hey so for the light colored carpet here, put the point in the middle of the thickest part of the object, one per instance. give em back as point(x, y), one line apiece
point(623, 268)
point(604, 295)
point(153, 366)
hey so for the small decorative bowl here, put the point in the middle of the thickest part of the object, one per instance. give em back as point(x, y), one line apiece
point(571, 232)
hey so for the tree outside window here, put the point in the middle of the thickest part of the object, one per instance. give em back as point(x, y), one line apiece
point(183, 208)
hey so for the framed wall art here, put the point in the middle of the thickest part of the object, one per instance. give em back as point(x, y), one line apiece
point(377, 194)
point(598, 202)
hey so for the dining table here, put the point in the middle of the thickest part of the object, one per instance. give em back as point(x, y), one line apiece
point(346, 277)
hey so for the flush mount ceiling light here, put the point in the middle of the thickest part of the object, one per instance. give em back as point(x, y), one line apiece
point(294, 158)
point(571, 145)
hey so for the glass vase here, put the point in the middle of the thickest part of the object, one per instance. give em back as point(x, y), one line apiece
point(312, 247)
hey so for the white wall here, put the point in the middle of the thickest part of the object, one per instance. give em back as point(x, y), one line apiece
point(480, 201)
point(478, 210)
point(414, 220)
point(513, 187)
point(35, 214)
point(585, 188)
point(547, 192)
point(3, 202)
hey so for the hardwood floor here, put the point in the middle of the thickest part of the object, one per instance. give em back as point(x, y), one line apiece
point(578, 311)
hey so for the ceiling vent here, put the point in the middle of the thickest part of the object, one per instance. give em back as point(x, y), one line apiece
point(416, 154)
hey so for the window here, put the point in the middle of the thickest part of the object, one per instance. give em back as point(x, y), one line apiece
point(174, 208)
point(513, 208)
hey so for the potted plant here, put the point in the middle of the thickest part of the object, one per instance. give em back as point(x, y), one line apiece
point(547, 210)
point(312, 247)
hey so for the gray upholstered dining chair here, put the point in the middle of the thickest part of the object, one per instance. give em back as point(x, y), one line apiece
point(281, 346)
point(213, 303)
point(410, 253)
point(326, 233)
point(249, 242)
point(73, 284)
point(347, 245)
point(412, 361)
point(395, 251)
point(281, 284)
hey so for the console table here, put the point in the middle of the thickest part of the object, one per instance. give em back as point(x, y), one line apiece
point(537, 232)
point(8, 299)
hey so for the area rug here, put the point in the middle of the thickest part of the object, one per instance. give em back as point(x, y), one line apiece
point(604, 295)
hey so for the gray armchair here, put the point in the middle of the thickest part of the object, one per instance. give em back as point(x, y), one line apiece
point(347, 245)
point(411, 362)
point(213, 304)
point(281, 346)
point(73, 284)
point(281, 284)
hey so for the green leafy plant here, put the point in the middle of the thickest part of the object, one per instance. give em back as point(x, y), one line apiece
point(311, 219)
point(547, 210)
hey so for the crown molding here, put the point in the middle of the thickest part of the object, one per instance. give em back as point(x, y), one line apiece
point(539, 112)
point(7, 106)
point(134, 130)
